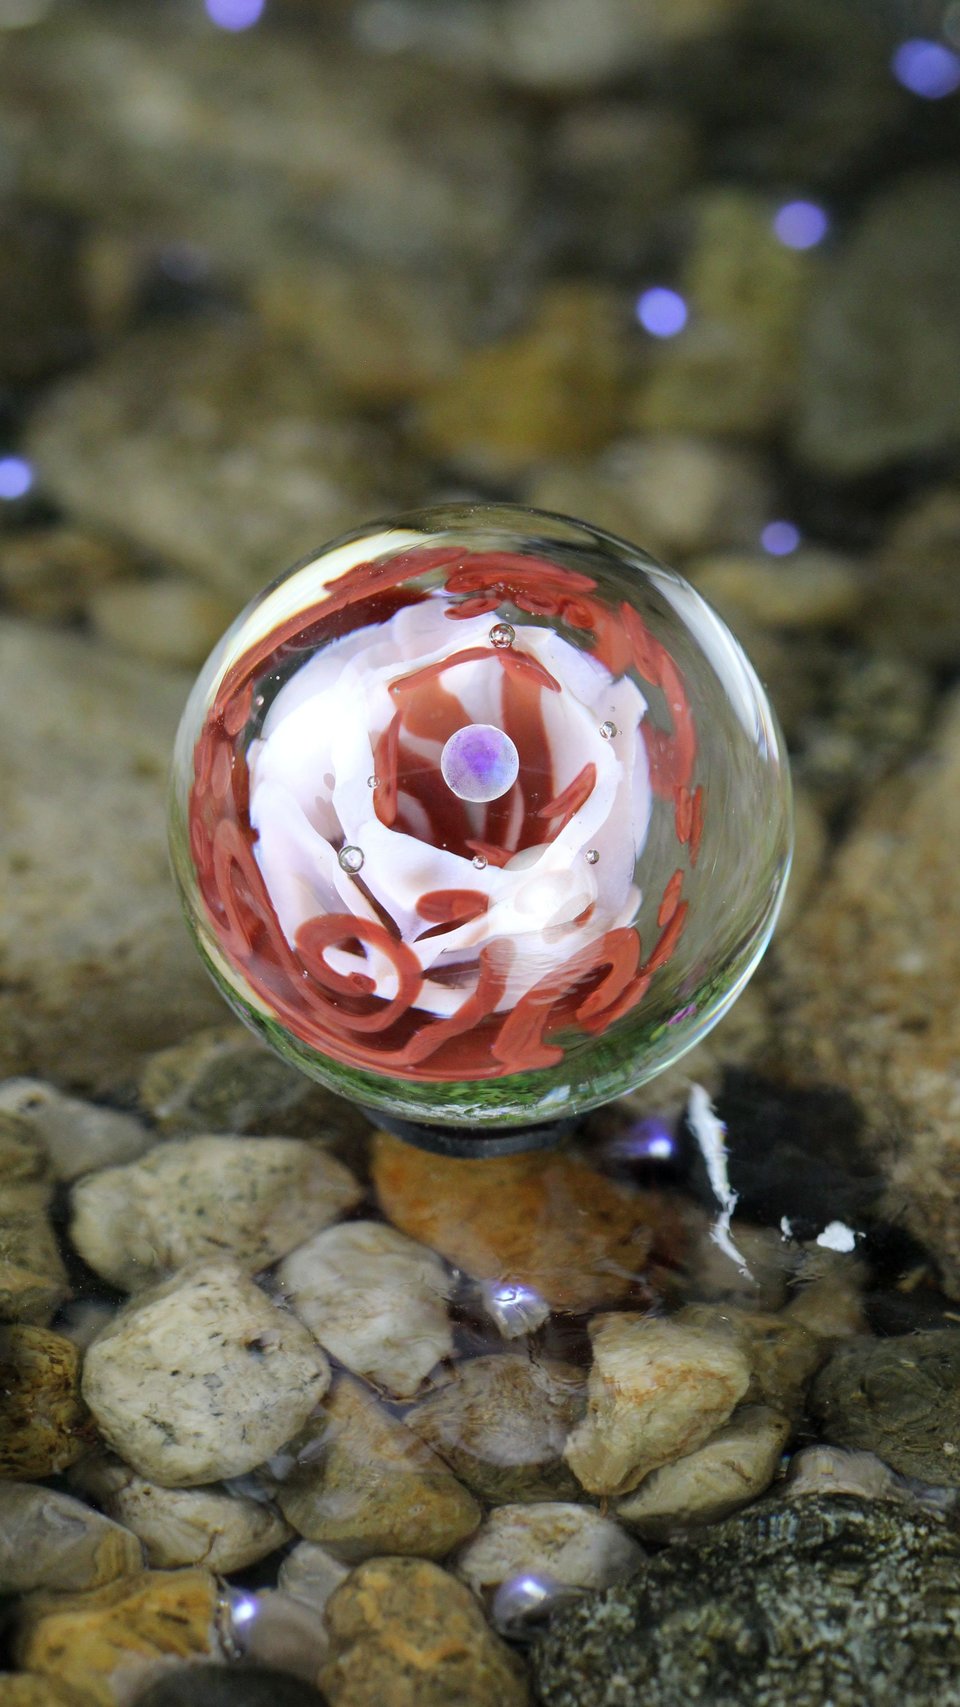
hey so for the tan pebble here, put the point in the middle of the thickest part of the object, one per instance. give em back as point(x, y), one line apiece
point(77, 1136)
point(44, 1424)
point(812, 588)
point(657, 1389)
point(33, 1280)
point(183, 1526)
point(734, 1466)
point(48, 1540)
point(569, 1544)
point(169, 622)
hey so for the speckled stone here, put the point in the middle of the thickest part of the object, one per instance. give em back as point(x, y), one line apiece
point(202, 1377)
point(403, 1633)
point(360, 1483)
point(547, 1221)
point(183, 1526)
point(48, 1540)
point(734, 1466)
point(375, 1300)
point(821, 1470)
point(569, 1544)
point(658, 1388)
point(236, 1686)
point(252, 1199)
point(98, 1642)
point(782, 1354)
point(33, 1280)
point(44, 1424)
point(899, 1398)
point(501, 1424)
point(842, 1600)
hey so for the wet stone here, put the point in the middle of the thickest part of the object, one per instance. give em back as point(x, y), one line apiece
point(913, 609)
point(224, 1080)
point(20, 1689)
point(44, 1424)
point(202, 1377)
point(101, 1641)
point(250, 1198)
point(169, 621)
point(274, 1629)
point(568, 1544)
point(405, 1633)
point(781, 1354)
point(50, 573)
point(238, 1686)
point(501, 1424)
point(78, 1137)
point(899, 1398)
point(811, 589)
point(544, 1220)
point(841, 1470)
point(845, 1600)
point(657, 1390)
point(360, 1483)
point(734, 1466)
point(182, 1526)
point(310, 1573)
point(375, 1300)
point(48, 1540)
point(33, 1280)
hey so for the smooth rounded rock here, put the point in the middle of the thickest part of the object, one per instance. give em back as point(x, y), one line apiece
point(234, 1686)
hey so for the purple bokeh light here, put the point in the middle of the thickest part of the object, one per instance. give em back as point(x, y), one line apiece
point(649, 1140)
point(927, 68)
point(780, 538)
point(16, 477)
point(800, 224)
point(234, 14)
point(661, 312)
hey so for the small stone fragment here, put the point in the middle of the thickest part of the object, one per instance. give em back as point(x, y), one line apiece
point(100, 1642)
point(216, 1686)
point(849, 1601)
point(309, 1573)
point(839, 1470)
point(658, 1389)
point(569, 1544)
point(735, 1465)
point(899, 1398)
point(78, 1137)
point(252, 1198)
point(274, 1629)
point(547, 1221)
point(551, 389)
point(501, 1424)
point(48, 1540)
point(44, 1424)
point(406, 1633)
point(33, 1280)
point(375, 1300)
point(183, 1526)
point(361, 1483)
point(202, 1377)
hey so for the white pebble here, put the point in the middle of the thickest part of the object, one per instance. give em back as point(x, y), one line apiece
point(569, 1544)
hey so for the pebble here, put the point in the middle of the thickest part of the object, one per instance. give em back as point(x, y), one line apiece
point(501, 1424)
point(542, 1220)
point(658, 1389)
point(551, 389)
point(33, 1280)
point(252, 1199)
point(309, 1573)
point(238, 1686)
point(183, 1526)
point(850, 1601)
point(237, 469)
point(734, 1466)
point(202, 1377)
point(568, 1544)
point(172, 621)
point(375, 1300)
point(226, 1080)
point(273, 1629)
point(781, 1353)
point(912, 611)
point(48, 1540)
point(878, 358)
point(839, 1470)
point(868, 992)
point(615, 165)
point(103, 1642)
point(899, 1398)
point(690, 494)
point(404, 1633)
point(95, 967)
point(733, 368)
point(78, 1137)
point(44, 1424)
point(21, 1689)
point(22, 1159)
point(811, 589)
point(361, 1483)
point(50, 573)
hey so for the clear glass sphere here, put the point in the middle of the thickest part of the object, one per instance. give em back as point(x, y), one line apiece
point(480, 816)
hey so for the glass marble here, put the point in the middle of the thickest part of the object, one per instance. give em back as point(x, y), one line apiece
point(480, 816)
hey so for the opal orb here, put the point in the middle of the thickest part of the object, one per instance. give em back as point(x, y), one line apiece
point(480, 816)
